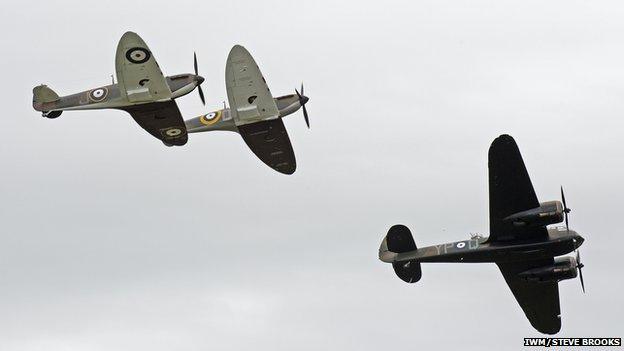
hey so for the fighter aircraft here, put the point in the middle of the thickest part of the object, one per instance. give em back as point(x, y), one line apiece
point(254, 113)
point(142, 91)
point(520, 243)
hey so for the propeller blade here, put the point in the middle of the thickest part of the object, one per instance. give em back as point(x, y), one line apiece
point(302, 101)
point(566, 221)
point(579, 265)
point(199, 89)
point(305, 116)
point(566, 210)
point(201, 95)
point(581, 276)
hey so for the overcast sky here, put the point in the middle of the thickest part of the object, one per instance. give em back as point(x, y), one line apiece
point(111, 241)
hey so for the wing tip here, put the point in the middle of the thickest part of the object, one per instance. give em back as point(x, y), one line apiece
point(504, 142)
point(550, 328)
point(503, 138)
point(288, 170)
point(238, 47)
point(238, 50)
point(131, 38)
point(129, 33)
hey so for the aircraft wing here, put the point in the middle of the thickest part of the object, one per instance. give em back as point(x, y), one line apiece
point(511, 191)
point(539, 300)
point(163, 120)
point(269, 141)
point(248, 94)
point(140, 78)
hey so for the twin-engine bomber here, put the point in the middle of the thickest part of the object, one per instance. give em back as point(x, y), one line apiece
point(520, 244)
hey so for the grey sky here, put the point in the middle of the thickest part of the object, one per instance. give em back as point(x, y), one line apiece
point(111, 241)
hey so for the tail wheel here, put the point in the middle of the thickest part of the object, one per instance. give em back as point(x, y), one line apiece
point(51, 114)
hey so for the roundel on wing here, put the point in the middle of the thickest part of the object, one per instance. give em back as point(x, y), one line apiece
point(211, 118)
point(173, 132)
point(138, 55)
point(99, 94)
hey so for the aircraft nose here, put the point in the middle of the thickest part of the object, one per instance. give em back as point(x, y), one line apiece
point(304, 100)
point(199, 79)
point(579, 240)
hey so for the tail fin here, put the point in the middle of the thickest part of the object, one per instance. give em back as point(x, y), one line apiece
point(41, 95)
point(398, 240)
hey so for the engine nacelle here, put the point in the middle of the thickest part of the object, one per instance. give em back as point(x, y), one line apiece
point(550, 212)
point(564, 268)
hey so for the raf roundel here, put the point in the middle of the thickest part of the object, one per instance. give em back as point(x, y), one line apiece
point(99, 94)
point(138, 55)
point(173, 132)
point(211, 118)
point(461, 245)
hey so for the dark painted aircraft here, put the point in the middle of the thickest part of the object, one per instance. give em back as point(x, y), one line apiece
point(522, 246)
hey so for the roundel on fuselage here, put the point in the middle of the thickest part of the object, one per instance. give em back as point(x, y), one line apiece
point(211, 118)
point(97, 95)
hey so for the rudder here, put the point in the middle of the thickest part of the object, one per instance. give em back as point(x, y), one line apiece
point(43, 95)
point(398, 240)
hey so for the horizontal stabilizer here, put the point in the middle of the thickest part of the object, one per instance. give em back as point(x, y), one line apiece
point(409, 271)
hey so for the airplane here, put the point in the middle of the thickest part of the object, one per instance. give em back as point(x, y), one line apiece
point(520, 243)
point(141, 90)
point(254, 113)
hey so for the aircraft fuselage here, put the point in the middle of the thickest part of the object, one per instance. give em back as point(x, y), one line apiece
point(110, 96)
point(222, 119)
point(559, 242)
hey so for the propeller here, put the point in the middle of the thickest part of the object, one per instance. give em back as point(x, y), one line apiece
point(566, 210)
point(199, 89)
point(302, 101)
point(579, 265)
